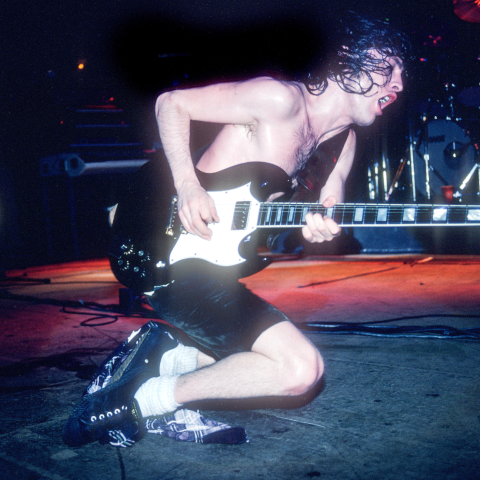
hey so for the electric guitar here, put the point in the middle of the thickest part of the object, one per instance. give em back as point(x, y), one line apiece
point(141, 259)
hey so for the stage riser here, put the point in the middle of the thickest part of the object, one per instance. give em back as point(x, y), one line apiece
point(434, 240)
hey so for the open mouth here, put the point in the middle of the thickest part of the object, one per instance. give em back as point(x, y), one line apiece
point(387, 100)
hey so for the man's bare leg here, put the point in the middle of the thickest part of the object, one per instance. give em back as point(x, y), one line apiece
point(283, 362)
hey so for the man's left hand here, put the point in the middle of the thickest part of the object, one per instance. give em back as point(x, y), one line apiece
point(320, 229)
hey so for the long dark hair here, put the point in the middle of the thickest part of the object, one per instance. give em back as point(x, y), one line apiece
point(351, 58)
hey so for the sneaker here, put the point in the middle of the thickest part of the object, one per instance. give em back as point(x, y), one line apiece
point(108, 409)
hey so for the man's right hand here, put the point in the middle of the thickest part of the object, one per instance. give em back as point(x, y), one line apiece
point(196, 209)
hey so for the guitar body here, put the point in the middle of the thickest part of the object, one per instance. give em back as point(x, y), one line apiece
point(149, 248)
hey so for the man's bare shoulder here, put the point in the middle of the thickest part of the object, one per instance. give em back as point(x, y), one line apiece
point(279, 97)
point(276, 85)
point(244, 102)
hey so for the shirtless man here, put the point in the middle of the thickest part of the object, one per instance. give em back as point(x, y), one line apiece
point(278, 122)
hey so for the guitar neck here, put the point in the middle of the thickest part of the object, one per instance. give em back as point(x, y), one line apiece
point(275, 215)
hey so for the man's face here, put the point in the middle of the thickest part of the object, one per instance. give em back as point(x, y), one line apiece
point(384, 92)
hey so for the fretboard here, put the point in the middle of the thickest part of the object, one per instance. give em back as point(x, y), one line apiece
point(276, 215)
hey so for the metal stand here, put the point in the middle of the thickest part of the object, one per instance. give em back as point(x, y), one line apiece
point(412, 161)
point(458, 193)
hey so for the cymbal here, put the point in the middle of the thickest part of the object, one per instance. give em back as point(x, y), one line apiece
point(468, 10)
point(470, 97)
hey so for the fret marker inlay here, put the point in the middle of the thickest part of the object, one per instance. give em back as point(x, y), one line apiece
point(291, 213)
point(279, 214)
point(358, 214)
point(409, 214)
point(382, 214)
point(439, 214)
point(304, 213)
point(473, 215)
point(269, 214)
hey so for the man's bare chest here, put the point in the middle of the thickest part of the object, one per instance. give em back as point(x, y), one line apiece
point(289, 148)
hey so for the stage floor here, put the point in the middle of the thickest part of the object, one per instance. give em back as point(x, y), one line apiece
point(391, 407)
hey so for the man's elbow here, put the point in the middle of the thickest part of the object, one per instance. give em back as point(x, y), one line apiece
point(162, 103)
point(169, 103)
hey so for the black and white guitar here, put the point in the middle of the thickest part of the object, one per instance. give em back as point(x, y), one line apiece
point(142, 260)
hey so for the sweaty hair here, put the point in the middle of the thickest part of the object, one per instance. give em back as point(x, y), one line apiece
point(360, 48)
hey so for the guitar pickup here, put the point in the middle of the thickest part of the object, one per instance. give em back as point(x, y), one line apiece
point(240, 215)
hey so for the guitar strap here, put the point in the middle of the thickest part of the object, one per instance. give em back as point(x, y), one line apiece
point(318, 168)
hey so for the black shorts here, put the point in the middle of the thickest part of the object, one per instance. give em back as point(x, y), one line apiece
point(222, 316)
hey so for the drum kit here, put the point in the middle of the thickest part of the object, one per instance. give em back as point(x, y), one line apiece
point(443, 156)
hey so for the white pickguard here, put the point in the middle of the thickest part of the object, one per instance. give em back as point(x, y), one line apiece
point(222, 249)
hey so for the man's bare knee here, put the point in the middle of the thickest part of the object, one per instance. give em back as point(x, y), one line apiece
point(302, 371)
point(300, 365)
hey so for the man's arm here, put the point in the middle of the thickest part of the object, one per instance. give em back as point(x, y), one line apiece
point(318, 228)
point(239, 103)
point(174, 126)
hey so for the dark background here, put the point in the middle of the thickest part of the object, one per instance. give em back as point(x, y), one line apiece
point(134, 50)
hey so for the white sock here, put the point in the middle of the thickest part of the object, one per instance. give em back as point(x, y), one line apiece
point(179, 360)
point(155, 397)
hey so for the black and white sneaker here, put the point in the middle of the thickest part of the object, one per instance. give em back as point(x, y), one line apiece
point(108, 411)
